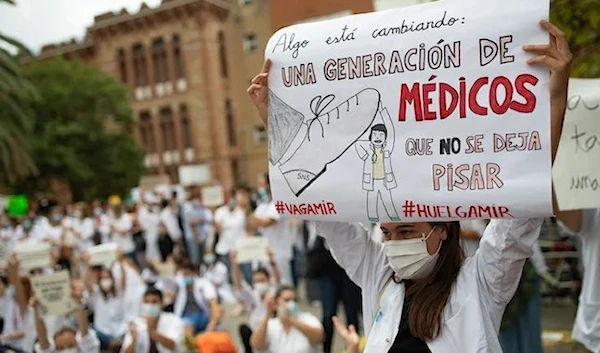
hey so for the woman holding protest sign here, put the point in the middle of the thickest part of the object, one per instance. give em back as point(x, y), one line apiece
point(449, 305)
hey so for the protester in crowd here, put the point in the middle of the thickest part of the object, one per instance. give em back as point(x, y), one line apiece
point(84, 227)
point(253, 298)
point(438, 285)
point(196, 302)
point(107, 302)
point(229, 223)
point(275, 230)
point(335, 285)
point(291, 331)
point(149, 220)
point(121, 225)
point(198, 219)
point(470, 233)
point(217, 273)
point(586, 225)
point(67, 339)
point(169, 219)
point(155, 331)
point(18, 319)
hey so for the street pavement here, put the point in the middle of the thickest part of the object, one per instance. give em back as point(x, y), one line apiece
point(557, 320)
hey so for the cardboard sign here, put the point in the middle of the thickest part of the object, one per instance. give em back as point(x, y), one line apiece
point(576, 170)
point(103, 255)
point(53, 293)
point(213, 196)
point(33, 254)
point(424, 113)
point(150, 182)
point(251, 249)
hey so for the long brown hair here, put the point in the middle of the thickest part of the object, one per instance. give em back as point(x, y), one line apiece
point(428, 297)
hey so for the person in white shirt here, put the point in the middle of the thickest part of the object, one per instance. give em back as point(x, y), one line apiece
point(217, 273)
point(149, 219)
point(470, 233)
point(418, 292)
point(108, 304)
point(168, 217)
point(196, 302)
point(586, 224)
point(252, 297)
point(155, 331)
point(230, 223)
point(18, 318)
point(277, 232)
point(121, 225)
point(198, 221)
point(291, 331)
point(67, 339)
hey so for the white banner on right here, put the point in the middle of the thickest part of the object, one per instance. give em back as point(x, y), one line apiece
point(576, 171)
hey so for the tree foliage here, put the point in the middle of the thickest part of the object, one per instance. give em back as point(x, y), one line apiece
point(73, 141)
point(580, 20)
point(15, 121)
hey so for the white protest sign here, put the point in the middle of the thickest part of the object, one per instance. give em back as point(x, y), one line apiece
point(33, 254)
point(576, 170)
point(251, 249)
point(428, 112)
point(103, 255)
point(213, 196)
point(53, 293)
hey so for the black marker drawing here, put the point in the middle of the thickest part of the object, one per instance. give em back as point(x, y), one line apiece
point(378, 178)
point(303, 148)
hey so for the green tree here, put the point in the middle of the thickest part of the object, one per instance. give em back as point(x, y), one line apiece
point(580, 20)
point(81, 128)
point(15, 120)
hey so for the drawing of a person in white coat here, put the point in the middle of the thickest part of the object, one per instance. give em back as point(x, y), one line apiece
point(378, 177)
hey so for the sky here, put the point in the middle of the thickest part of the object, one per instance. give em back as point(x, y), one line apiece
point(39, 22)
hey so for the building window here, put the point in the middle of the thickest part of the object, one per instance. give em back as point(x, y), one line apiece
point(260, 135)
point(167, 128)
point(230, 123)
point(146, 132)
point(122, 65)
point(245, 2)
point(222, 53)
point(185, 126)
point(250, 43)
point(139, 65)
point(178, 58)
point(159, 58)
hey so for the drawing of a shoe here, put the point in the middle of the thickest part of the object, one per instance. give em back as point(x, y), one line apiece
point(325, 138)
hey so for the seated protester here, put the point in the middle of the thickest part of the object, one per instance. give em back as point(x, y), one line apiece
point(252, 298)
point(196, 302)
point(291, 331)
point(18, 319)
point(216, 272)
point(108, 305)
point(67, 339)
point(155, 331)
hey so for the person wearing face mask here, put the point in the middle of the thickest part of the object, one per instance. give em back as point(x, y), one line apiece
point(216, 272)
point(121, 225)
point(67, 339)
point(229, 223)
point(108, 305)
point(149, 220)
point(155, 331)
point(252, 298)
point(291, 331)
point(198, 221)
point(419, 294)
point(196, 302)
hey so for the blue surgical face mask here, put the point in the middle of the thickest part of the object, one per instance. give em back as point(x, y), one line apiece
point(150, 310)
point(210, 259)
point(188, 280)
point(263, 194)
point(56, 218)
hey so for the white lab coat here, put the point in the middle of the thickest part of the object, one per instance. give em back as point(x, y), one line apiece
point(485, 285)
point(169, 325)
point(204, 291)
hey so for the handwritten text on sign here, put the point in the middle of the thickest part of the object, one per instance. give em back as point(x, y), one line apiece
point(423, 113)
point(577, 168)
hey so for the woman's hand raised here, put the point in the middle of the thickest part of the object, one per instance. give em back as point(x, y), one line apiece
point(259, 91)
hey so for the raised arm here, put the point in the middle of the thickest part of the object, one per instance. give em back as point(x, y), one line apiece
point(389, 125)
point(15, 281)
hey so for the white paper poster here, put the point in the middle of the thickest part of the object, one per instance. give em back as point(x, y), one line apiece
point(33, 254)
point(251, 249)
point(428, 112)
point(576, 169)
point(53, 293)
point(103, 255)
point(213, 196)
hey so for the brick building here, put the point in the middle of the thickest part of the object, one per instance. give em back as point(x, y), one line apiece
point(188, 64)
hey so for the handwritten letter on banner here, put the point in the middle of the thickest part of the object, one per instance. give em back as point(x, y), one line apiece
point(576, 170)
point(428, 112)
